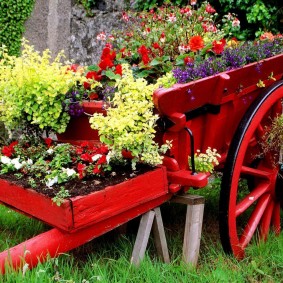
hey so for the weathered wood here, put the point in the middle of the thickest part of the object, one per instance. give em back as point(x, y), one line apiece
point(142, 237)
point(159, 236)
point(192, 233)
point(193, 226)
point(152, 220)
point(188, 199)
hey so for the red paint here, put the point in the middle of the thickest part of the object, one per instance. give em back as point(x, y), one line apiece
point(79, 212)
point(79, 128)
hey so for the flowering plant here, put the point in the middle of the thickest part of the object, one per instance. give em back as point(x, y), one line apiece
point(157, 40)
point(47, 166)
point(231, 57)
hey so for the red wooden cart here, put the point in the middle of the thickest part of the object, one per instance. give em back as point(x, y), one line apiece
point(228, 112)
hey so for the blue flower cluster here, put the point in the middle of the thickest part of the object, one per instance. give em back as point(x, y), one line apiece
point(230, 59)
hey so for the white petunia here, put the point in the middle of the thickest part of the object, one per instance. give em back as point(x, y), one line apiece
point(51, 182)
point(50, 151)
point(69, 172)
point(5, 159)
point(96, 157)
point(16, 162)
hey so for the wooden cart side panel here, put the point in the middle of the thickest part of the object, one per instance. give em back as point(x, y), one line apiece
point(119, 198)
point(36, 205)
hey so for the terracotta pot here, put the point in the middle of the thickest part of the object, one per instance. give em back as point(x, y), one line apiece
point(79, 128)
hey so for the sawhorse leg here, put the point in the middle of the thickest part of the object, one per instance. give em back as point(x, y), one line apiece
point(151, 220)
point(193, 226)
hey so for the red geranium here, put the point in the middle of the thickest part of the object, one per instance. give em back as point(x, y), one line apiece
point(106, 63)
point(81, 167)
point(93, 76)
point(218, 46)
point(196, 43)
point(118, 70)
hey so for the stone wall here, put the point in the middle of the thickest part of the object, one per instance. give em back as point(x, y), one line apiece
point(62, 24)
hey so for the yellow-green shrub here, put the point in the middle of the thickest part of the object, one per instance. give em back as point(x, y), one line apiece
point(130, 121)
point(32, 89)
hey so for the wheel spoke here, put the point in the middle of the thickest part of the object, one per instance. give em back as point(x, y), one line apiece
point(276, 218)
point(251, 198)
point(254, 221)
point(260, 131)
point(266, 220)
point(255, 172)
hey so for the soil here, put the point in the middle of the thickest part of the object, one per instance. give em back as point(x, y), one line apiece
point(82, 187)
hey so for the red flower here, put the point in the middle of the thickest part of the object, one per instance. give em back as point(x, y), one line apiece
point(209, 9)
point(102, 160)
point(73, 68)
point(218, 46)
point(48, 141)
point(93, 95)
point(196, 43)
point(155, 45)
point(118, 70)
point(108, 54)
point(106, 63)
point(96, 169)
point(81, 167)
point(93, 76)
point(103, 149)
point(86, 157)
point(7, 151)
point(143, 51)
point(188, 59)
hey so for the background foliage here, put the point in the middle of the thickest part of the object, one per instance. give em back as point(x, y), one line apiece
point(256, 16)
point(13, 14)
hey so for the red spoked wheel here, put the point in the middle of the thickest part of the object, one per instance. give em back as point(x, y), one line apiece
point(248, 210)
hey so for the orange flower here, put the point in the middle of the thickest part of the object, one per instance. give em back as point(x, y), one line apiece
point(196, 43)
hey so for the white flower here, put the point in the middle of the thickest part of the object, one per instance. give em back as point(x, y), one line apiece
point(17, 164)
point(29, 162)
point(69, 172)
point(96, 157)
point(51, 182)
point(50, 151)
point(5, 160)
point(108, 157)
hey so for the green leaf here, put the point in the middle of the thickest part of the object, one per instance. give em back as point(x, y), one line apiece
point(93, 68)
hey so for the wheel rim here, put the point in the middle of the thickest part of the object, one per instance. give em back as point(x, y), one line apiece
point(248, 213)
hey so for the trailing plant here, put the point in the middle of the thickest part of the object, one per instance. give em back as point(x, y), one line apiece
point(13, 15)
point(33, 88)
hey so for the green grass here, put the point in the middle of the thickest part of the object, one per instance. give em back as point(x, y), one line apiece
point(107, 259)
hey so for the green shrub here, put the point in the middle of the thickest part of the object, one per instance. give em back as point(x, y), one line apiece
point(13, 15)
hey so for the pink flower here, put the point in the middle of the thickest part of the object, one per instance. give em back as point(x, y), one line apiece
point(172, 18)
point(125, 17)
point(236, 23)
point(193, 2)
point(183, 48)
point(209, 9)
point(162, 37)
point(101, 36)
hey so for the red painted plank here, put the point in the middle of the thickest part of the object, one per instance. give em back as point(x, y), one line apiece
point(55, 241)
point(36, 205)
point(82, 211)
point(119, 198)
